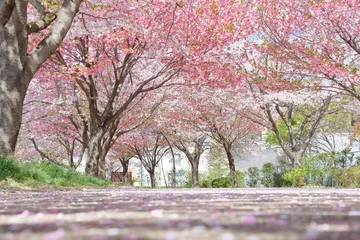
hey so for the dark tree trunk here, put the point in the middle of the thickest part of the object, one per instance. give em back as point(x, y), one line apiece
point(125, 168)
point(152, 179)
point(195, 174)
point(231, 165)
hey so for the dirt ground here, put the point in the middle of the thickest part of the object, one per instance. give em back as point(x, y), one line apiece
point(225, 214)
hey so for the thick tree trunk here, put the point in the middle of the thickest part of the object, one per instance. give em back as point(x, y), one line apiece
point(152, 178)
point(95, 165)
point(13, 86)
point(18, 66)
point(195, 174)
point(231, 166)
point(101, 173)
point(11, 102)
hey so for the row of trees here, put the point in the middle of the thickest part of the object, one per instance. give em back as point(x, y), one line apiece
point(182, 70)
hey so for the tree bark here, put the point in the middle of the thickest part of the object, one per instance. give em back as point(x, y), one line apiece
point(17, 66)
point(152, 179)
point(94, 166)
point(173, 172)
point(125, 168)
point(231, 165)
point(195, 174)
point(12, 94)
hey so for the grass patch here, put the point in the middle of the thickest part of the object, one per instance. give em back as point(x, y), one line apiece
point(17, 174)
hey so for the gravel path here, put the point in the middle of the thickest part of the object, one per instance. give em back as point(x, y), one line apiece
point(225, 214)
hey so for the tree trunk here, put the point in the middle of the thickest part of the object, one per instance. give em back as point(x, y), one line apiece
point(12, 91)
point(152, 178)
point(124, 171)
point(295, 158)
point(195, 174)
point(11, 103)
point(101, 173)
point(231, 165)
point(18, 66)
point(173, 173)
point(94, 165)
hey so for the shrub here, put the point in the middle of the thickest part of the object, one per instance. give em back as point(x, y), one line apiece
point(296, 176)
point(254, 176)
point(205, 183)
point(349, 177)
point(268, 175)
point(240, 178)
point(320, 167)
point(9, 168)
point(222, 182)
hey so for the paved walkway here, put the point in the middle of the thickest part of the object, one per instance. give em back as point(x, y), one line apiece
point(225, 214)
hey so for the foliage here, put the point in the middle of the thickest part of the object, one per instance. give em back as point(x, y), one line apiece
point(253, 177)
point(271, 138)
point(320, 168)
point(204, 183)
point(222, 182)
point(296, 176)
point(349, 177)
point(240, 178)
point(44, 174)
point(267, 175)
point(345, 158)
point(8, 168)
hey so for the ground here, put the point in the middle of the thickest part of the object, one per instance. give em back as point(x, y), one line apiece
point(225, 214)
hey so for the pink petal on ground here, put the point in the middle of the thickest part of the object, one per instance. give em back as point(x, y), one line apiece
point(157, 213)
point(24, 214)
point(58, 234)
point(248, 220)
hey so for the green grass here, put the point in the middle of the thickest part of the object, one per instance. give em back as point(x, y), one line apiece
point(17, 174)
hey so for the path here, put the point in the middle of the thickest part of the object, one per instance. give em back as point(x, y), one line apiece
point(225, 214)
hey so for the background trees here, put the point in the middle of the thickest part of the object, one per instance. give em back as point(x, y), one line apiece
point(226, 69)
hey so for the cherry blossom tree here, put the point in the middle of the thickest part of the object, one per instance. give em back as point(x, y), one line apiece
point(150, 149)
point(226, 126)
point(215, 113)
point(193, 151)
point(117, 53)
point(48, 125)
point(172, 120)
point(320, 41)
point(284, 95)
point(121, 153)
point(22, 54)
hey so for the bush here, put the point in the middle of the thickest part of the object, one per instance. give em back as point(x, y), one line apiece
point(205, 183)
point(296, 176)
point(320, 167)
point(223, 182)
point(349, 177)
point(268, 175)
point(254, 176)
point(9, 168)
point(240, 178)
